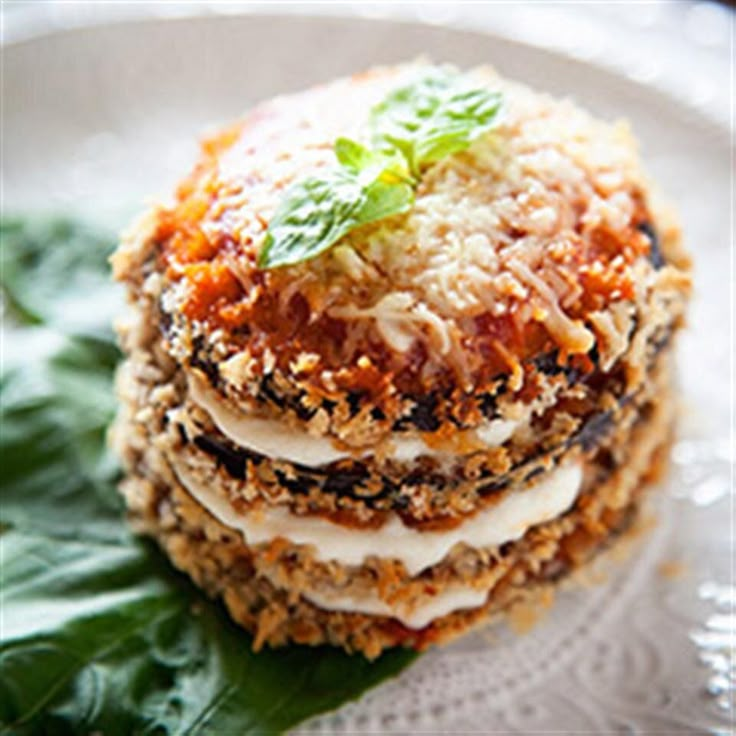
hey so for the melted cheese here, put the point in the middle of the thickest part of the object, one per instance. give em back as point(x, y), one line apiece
point(449, 600)
point(503, 522)
point(275, 440)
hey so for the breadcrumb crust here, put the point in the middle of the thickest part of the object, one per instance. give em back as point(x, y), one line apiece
point(538, 278)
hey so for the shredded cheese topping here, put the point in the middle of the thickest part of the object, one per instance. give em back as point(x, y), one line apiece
point(510, 245)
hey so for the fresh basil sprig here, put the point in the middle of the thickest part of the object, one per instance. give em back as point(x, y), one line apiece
point(435, 116)
point(318, 211)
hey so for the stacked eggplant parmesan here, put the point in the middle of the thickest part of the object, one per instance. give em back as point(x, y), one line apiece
point(426, 424)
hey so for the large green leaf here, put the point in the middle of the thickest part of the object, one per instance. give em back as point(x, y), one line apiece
point(99, 633)
point(52, 273)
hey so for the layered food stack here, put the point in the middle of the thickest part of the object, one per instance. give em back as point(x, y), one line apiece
point(375, 422)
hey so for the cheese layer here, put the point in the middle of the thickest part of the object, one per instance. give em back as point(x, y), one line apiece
point(505, 521)
point(452, 599)
point(417, 550)
point(278, 441)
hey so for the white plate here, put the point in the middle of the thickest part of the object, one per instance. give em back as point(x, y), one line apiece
point(97, 119)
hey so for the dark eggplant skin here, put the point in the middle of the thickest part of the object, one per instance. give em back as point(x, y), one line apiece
point(594, 430)
point(234, 461)
point(294, 403)
point(656, 256)
point(422, 415)
point(351, 481)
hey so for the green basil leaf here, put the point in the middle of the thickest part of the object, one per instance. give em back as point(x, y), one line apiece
point(102, 637)
point(57, 284)
point(57, 401)
point(385, 199)
point(354, 156)
point(369, 166)
point(317, 212)
point(100, 634)
point(421, 123)
point(435, 116)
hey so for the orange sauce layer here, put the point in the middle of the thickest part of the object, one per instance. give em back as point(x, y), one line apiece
point(252, 312)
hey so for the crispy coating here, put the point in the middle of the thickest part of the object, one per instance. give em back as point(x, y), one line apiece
point(538, 282)
point(541, 241)
point(263, 587)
